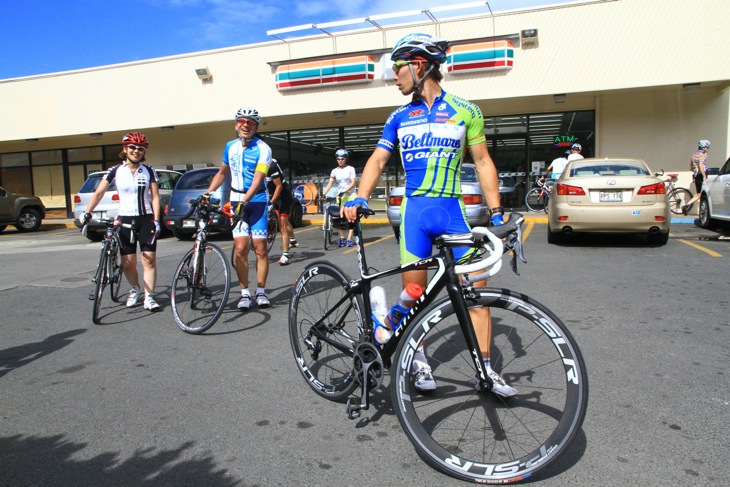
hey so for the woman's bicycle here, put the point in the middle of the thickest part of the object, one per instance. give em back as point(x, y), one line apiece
point(109, 270)
point(327, 230)
point(461, 428)
point(677, 197)
point(202, 279)
point(537, 198)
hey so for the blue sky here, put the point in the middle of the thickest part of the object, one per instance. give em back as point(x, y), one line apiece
point(47, 36)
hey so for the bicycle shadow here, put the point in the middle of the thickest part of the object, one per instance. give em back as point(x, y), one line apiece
point(232, 315)
point(15, 357)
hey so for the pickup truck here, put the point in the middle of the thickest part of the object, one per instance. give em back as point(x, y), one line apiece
point(22, 211)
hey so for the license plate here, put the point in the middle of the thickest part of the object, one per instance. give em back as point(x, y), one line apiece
point(188, 223)
point(611, 197)
point(98, 215)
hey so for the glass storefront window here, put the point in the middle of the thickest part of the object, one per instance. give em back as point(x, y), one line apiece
point(46, 157)
point(83, 154)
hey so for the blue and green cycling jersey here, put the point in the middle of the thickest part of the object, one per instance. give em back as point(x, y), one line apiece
point(432, 142)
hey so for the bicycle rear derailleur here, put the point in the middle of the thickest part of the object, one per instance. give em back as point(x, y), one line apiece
point(368, 369)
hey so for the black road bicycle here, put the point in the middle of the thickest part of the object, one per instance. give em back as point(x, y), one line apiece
point(202, 279)
point(461, 429)
point(109, 270)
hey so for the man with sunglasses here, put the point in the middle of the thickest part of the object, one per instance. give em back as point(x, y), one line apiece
point(434, 130)
point(247, 159)
point(139, 205)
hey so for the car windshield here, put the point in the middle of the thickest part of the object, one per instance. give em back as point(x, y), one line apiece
point(608, 169)
point(93, 182)
point(196, 180)
point(506, 181)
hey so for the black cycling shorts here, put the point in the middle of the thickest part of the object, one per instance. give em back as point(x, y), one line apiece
point(284, 203)
point(144, 234)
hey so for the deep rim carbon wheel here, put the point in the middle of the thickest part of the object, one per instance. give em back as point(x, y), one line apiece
point(99, 284)
point(677, 198)
point(115, 276)
point(196, 306)
point(534, 201)
point(273, 227)
point(324, 353)
point(327, 230)
point(480, 436)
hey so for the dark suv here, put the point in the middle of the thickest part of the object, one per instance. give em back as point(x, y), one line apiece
point(22, 211)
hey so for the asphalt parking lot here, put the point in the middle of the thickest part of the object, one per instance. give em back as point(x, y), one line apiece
point(135, 401)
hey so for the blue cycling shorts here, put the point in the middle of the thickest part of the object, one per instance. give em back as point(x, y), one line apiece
point(255, 220)
point(423, 219)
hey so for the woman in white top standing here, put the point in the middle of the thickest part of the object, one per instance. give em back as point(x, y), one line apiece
point(139, 204)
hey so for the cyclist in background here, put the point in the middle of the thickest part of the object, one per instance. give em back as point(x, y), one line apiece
point(433, 130)
point(698, 166)
point(555, 169)
point(247, 158)
point(139, 203)
point(345, 177)
point(575, 152)
point(282, 200)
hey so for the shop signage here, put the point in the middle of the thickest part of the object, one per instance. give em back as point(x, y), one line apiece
point(323, 72)
point(563, 140)
point(480, 56)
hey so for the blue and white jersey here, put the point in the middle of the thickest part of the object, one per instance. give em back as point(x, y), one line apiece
point(133, 188)
point(244, 163)
point(432, 142)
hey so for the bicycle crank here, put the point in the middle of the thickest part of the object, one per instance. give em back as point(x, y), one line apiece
point(368, 368)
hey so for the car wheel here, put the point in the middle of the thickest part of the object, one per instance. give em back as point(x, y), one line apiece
point(658, 238)
point(94, 236)
point(295, 214)
point(180, 235)
point(706, 220)
point(29, 220)
point(555, 237)
point(3, 227)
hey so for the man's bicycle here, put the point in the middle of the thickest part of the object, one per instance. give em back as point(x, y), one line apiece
point(328, 231)
point(677, 197)
point(537, 198)
point(109, 269)
point(202, 279)
point(461, 428)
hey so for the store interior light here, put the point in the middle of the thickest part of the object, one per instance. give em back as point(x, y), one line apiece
point(691, 87)
point(559, 98)
point(339, 113)
point(96, 135)
point(31, 141)
point(168, 128)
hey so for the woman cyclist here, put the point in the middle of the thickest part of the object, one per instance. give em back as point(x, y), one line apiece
point(139, 205)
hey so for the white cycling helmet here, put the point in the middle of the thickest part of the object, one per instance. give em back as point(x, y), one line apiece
point(420, 45)
point(342, 153)
point(703, 144)
point(248, 112)
point(576, 147)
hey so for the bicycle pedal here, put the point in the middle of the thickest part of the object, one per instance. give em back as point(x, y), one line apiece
point(353, 410)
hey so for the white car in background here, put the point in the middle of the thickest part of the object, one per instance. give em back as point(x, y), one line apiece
point(108, 207)
point(715, 199)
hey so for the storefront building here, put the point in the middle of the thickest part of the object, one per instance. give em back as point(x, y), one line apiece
point(624, 78)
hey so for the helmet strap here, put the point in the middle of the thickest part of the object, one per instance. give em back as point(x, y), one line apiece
point(417, 82)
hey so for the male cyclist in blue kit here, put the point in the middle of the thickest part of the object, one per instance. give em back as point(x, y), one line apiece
point(247, 159)
point(433, 130)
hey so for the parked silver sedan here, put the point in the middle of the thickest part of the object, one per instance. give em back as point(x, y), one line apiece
point(477, 212)
point(608, 195)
